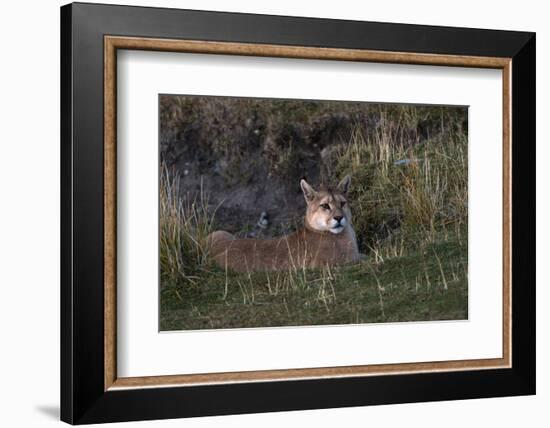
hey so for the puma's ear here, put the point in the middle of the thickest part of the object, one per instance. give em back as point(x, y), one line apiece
point(309, 192)
point(343, 186)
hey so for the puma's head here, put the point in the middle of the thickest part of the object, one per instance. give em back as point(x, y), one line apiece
point(327, 208)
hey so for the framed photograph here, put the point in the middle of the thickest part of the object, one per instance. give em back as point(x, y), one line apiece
point(266, 213)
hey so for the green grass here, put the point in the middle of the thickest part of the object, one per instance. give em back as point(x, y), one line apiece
point(410, 219)
point(412, 285)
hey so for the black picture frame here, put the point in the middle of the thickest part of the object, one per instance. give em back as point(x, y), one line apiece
point(83, 398)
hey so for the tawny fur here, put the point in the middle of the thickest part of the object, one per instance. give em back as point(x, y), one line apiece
point(327, 239)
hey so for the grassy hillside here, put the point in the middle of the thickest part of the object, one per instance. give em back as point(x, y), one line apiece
point(408, 199)
point(428, 283)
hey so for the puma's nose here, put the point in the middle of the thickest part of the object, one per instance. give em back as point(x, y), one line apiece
point(338, 217)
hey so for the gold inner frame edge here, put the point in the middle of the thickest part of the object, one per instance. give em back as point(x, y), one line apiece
point(113, 43)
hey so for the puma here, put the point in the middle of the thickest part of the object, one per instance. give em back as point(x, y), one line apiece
point(327, 238)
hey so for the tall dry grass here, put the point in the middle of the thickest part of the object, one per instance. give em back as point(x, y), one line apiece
point(411, 187)
point(184, 227)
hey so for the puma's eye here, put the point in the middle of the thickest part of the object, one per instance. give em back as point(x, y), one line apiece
point(325, 206)
point(343, 204)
